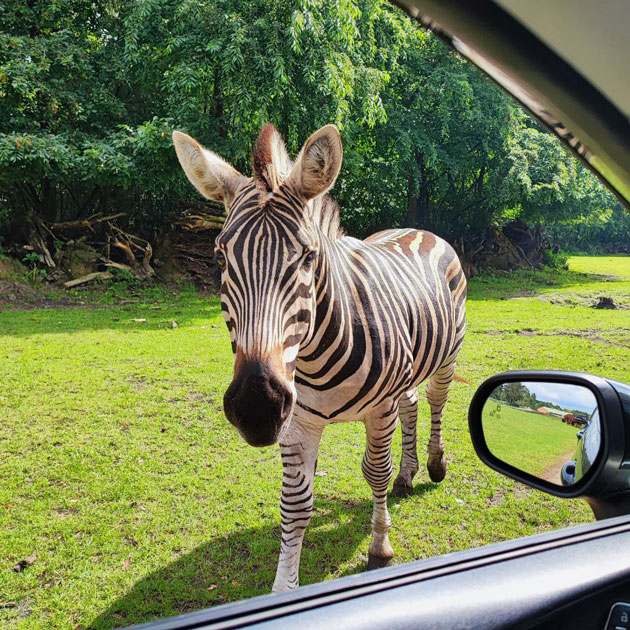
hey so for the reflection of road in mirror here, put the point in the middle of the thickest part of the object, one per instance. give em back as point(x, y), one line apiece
point(549, 430)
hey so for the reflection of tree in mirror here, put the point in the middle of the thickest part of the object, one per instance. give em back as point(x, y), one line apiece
point(552, 399)
point(516, 394)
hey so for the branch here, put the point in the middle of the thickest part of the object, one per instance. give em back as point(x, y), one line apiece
point(85, 223)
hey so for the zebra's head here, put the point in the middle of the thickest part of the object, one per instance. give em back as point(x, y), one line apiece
point(268, 255)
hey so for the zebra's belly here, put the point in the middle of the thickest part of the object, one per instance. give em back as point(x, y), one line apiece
point(319, 409)
point(361, 395)
point(351, 400)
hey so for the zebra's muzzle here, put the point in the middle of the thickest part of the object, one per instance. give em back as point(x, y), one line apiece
point(258, 403)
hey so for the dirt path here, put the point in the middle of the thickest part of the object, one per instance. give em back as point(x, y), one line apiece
point(552, 472)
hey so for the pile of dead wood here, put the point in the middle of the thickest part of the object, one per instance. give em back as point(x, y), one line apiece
point(190, 244)
point(77, 252)
point(74, 253)
point(515, 246)
point(617, 248)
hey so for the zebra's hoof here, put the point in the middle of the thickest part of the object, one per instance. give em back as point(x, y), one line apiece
point(378, 562)
point(436, 468)
point(401, 488)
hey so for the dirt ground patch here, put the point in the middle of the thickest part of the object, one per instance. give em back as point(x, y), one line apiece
point(589, 334)
point(552, 472)
point(18, 296)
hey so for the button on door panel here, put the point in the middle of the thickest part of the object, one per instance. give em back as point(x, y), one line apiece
point(619, 617)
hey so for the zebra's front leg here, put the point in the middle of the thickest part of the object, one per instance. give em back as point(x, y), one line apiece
point(299, 449)
point(377, 470)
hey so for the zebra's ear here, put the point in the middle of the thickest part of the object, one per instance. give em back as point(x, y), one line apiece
point(270, 160)
point(212, 176)
point(318, 163)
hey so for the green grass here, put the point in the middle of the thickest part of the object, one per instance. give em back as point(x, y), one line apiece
point(530, 441)
point(119, 470)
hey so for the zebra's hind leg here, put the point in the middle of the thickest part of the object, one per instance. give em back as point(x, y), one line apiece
point(437, 393)
point(377, 470)
point(408, 413)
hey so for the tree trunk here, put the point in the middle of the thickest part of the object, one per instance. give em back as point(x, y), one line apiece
point(417, 193)
point(412, 200)
point(424, 198)
point(48, 201)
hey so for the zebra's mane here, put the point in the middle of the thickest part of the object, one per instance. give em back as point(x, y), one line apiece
point(325, 214)
point(271, 165)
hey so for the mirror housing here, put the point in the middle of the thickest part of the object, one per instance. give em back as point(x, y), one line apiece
point(606, 485)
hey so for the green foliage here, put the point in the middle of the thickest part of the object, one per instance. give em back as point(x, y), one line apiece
point(35, 274)
point(555, 260)
point(122, 275)
point(607, 229)
point(32, 259)
point(92, 90)
point(516, 394)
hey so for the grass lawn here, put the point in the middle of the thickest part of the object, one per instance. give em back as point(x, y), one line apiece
point(530, 441)
point(120, 472)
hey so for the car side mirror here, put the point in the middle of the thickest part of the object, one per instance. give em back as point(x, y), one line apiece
point(564, 433)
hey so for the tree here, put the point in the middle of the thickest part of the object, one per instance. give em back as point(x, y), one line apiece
point(73, 139)
point(92, 90)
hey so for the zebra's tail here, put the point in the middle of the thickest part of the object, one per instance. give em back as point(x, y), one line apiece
point(461, 379)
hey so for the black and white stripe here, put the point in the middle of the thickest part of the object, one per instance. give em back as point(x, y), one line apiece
point(327, 328)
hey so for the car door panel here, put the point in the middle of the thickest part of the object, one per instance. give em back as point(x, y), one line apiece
point(564, 579)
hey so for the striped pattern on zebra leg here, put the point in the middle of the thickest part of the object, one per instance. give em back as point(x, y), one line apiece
point(408, 405)
point(299, 449)
point(437, 393)
point(377, 469)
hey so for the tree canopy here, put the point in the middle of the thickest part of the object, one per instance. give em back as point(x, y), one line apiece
point(90, 92)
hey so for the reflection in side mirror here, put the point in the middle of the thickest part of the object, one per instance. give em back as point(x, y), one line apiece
point(549, 430)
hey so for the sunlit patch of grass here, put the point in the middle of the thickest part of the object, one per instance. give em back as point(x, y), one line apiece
point(120, 471)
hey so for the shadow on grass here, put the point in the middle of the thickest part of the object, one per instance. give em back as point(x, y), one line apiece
point(25, 323)
point(241, 565)
point(503, 285)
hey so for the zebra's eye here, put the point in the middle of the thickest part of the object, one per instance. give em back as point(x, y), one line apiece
point(308, 260)
point(219, 258)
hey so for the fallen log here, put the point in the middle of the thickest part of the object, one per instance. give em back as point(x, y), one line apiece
point(115, 265)
point(200, 222)
point(97, 275)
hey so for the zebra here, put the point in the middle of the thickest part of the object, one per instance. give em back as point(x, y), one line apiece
point(327, 328)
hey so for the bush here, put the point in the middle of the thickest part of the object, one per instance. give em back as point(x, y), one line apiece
point(555, 260)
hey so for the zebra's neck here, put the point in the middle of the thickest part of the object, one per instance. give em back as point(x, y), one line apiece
point(338, 343)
